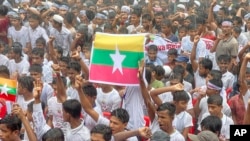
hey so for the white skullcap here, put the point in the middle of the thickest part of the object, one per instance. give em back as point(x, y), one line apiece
point(181, 6)
point(125, 8)
point(58, 18)
point(197, 3)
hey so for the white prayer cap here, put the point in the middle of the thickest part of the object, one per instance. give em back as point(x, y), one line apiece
point(82, 13)
point(58, 18)
point(101, 16)
point(167, 70)
point(181, 6)
point(216, 8)
point(197, 3)
point(125, 9)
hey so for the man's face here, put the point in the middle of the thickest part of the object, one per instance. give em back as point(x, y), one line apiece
point(164, 120)
point(165, 29)
point(134, 19)
point(202, 71)
point(152, 55)
point(36, 59)
point(145, 23)
point(72, 74)
point(97, 137)
point(226, 29)
point(223, 65)
point(158, 19)
point(182, 33)
point(182, 105)
point(33, 23)
point(214, 109)
point(116, 125)
point(36, 75)
point(193, 32)
point(6, 134)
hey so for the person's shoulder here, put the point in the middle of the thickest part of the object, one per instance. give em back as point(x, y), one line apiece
point(177, 136)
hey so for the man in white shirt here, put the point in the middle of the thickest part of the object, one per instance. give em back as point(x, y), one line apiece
point(119, 117)
point(72, 113)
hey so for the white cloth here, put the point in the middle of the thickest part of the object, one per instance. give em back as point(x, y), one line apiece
point(80, 133)
point(182, 120)
point(34, 34)
point(22, 68)
point(21, 36)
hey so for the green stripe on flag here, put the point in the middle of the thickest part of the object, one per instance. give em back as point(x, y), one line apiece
point(102, 57)
point(12, 91)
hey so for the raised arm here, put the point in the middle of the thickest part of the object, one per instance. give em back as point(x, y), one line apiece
point(17, 110)
point(247, 114)
point(61, 92)
point(210, 18)
point(193, 53)
point(154, 93)
point(86, 105)
point(144, 132)
point(242, 74)
point(84, 67)
point(243, 51)
point(145, 94)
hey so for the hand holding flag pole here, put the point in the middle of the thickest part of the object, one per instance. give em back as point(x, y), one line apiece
point(38, 86)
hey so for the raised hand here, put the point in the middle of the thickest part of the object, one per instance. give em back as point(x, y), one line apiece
point(145, 132)
point(177, 87)
point(79, 82)
point(18, 111)
point(247, 56)
point(51, 39)
point(38, 86)
point(56, 68)
point(141, 68)
point(196, 39)
point(75, 55)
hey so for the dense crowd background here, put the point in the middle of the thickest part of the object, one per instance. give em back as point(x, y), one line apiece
point(193, 90)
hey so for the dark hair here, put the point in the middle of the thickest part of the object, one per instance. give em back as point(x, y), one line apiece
point(206, 63)
point(69, 17)
point(89, 90)
point(225, 10)
point(64, 80)
point(17, 49)
point(172, 51)
point(239, 21)
point(179, 69)
point(41, 40)
point(215, 99)
point(123, 30)
point(75, 66)
point(108, 26)
point(159, 70)
point(121, 114)
point(237, 29)
point(192, 27)
point(104, 130)
point(176, 76)
point(30, 106)
point(73, 107)
point(216, 82)
point(59, 50)
point(26, 82)
point(200, 20)
point(224, 57)
point(212, 123)
point(38, 51)
point(12, 122)
point(35, 17)
point(53, 134)
point(4, 70)
point(3, 10)
point(182, 28)
point(167, 22)
point(170, 107)
point(65, 59)
point(148, 75)
point(147, 17)
point(216, 74)
point(36, 68)
point(152, 47)
point(180, 96)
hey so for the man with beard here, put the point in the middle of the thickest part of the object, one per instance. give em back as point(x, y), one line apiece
point(226, 43)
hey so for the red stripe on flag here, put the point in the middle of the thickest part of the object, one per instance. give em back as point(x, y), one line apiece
point(9, 97)
point(100, 73)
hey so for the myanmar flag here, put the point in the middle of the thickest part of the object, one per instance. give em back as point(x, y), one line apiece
point(114, 58)
point(8, 89)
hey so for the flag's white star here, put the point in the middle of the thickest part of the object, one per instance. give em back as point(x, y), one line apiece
point(4, 89)
point(117, 59)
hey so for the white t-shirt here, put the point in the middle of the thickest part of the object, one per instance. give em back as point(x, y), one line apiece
point(199, 81)
point(21, 36)
point(203, 106)
point(108, 101)
point(168, 97)
point(55, 110)
point(4, 60)
point(182, 120)
point(22, 68)
point(22, 103)
point(133, 102)
point(89, 122)
point(80, 133)
point(225, 129)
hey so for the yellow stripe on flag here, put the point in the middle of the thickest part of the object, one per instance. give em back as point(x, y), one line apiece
point(133, 43)
point(10, 83)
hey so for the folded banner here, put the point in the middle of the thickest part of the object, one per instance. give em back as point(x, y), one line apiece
point(8, 89)
point(114, 58)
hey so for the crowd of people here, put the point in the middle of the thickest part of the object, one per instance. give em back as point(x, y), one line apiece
point(191, 91)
